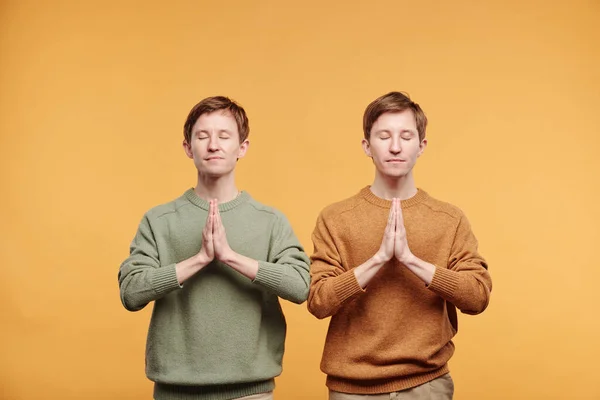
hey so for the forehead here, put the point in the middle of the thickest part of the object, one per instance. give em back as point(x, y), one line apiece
point(216, 120)
point(389, 120)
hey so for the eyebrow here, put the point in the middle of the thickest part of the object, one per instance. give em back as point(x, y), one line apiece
point(205, 131)
point(411, 131)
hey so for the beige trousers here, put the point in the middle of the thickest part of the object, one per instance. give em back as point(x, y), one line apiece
point(441, 388)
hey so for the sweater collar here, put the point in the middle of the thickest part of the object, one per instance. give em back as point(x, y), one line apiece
point(193, 198)
point(419, 197)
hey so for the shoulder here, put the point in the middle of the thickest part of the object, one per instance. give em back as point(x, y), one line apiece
point(340, 208)
point(443, 208)
point(261, 210)
point(166, 209)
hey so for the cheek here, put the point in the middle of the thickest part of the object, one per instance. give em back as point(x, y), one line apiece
point(378, 153)
point(233, 149)
point(197, 151)
point(414, 150)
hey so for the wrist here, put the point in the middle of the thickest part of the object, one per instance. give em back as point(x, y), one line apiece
point(229, 257)
point(380, 258)
point(202, 259)
point(407, 258)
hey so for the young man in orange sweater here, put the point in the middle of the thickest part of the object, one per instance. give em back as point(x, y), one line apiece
point(391, 264)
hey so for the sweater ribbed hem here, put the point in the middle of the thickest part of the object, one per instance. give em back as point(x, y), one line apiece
point(444, 282)
point(214, 392)
point(164, 279)
point(383, 385)
point(346, 286)
point(419, 197)
point(193, 198)
point(269, 275)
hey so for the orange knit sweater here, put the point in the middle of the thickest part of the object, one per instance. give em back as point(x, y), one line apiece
point(397, 333)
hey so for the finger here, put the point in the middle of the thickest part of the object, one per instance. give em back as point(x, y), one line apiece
point(391, 217)
point(207, 225)
point(396, 216)
point(396, 201)
point(396, 212)
point(400, 217)
point(216, 212)
point(207, 236)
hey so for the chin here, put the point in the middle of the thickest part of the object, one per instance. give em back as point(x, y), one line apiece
point(215, 172)
point(393, 172)
point(218, 174)
point(394, 176)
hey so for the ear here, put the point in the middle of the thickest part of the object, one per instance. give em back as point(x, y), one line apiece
point(243, 148)
point(422, 147)
point(188, 149)
point(366, 147)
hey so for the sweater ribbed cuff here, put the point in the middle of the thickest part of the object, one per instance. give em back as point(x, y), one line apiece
point(213, 392)
point(164, 279)
point(346, 286)
point(444, 282)
point(268, 275)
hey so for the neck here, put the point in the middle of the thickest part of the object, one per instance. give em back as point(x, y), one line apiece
point(221, 188)
point(389, 188)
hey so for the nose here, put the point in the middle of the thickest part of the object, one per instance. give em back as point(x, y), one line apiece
point(396, 145)
point(212, 144)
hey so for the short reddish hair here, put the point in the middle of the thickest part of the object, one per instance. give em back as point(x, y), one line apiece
point(216, 103)
point(391, 103)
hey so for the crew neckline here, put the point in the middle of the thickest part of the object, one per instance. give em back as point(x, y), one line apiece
point(196, 200)
point(368, 195)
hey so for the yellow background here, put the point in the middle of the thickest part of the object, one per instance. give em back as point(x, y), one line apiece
point(93, 96)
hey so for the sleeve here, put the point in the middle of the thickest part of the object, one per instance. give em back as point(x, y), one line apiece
point(465, 282)
point(331, 284)
point(142, 278)
point(286, 271)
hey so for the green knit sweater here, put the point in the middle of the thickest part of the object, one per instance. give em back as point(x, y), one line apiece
point(220, 335)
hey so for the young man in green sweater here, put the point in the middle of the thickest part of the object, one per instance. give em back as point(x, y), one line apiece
point(391, 265)
point(215, 262)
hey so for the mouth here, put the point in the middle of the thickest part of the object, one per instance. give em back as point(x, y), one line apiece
point(213, 158)
point(395, 160)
